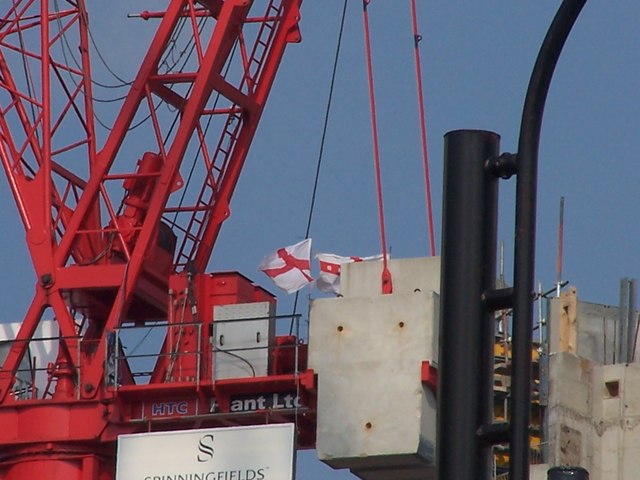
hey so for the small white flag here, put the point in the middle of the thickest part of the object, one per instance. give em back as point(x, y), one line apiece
point(330, 266)
point(289, 267)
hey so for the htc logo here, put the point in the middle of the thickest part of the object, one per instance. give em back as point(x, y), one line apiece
point(205, 448)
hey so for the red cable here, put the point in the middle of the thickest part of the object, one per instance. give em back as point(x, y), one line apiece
point(423, 126)
point(387, 286)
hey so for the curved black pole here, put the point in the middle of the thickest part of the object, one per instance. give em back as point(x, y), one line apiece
point(526, 195)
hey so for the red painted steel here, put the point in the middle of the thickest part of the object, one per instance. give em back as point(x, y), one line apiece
point(387, 282)
point(429, 375)
point(120, 229)
point(417, 38)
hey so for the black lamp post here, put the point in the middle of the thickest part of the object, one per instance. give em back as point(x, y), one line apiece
point(468, 293)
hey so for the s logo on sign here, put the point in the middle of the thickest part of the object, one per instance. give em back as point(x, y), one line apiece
point(205, 448)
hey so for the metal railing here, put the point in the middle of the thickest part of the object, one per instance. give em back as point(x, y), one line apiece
point(36, 376)
point(134, 351)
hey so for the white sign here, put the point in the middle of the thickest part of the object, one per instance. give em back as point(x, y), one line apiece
point(264, 452)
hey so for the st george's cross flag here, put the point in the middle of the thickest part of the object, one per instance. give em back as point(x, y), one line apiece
point(289, 267)
point(330, 266)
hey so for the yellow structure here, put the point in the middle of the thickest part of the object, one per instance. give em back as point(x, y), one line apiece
point(501, 391)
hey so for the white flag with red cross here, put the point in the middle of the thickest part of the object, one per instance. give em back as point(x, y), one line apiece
point(330, 266)
point(289, 267)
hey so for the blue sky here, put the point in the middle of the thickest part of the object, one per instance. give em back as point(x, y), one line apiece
point(477, 57)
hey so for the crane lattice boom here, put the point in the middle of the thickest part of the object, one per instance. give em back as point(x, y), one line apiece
point(120, 226)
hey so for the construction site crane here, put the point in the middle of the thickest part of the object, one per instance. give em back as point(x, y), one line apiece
point(121, 237)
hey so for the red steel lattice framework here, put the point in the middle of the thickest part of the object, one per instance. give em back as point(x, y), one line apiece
point(112, 231)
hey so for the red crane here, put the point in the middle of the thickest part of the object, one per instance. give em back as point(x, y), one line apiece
point(120, 237)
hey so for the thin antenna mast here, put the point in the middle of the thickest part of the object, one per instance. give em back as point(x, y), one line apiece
point(560, 245)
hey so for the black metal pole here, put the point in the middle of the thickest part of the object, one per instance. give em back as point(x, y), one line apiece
point(526, 194)
point(465, 375)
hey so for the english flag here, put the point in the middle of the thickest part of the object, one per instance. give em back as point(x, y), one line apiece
point(330, 266)
point(289, 267)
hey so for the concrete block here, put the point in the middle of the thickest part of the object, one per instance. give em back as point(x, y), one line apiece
point(539, 471)
point(362, 279)
point(629, 452)
point(608, 409)
point(606, 392)
point(631, 439)
point(630, 390)
point(606, 461)
point(597, 332)
point(585, 329)
point(570, 444)
point(374, 413)
point(569, 383)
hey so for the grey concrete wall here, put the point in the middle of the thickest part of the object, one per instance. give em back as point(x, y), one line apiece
point(594, 417)
point(597, 332)
point(375, 415)
point(595, 336)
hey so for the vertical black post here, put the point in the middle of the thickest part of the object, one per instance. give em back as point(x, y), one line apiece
point(468, 294)
point(469, 237)
point(524, 249)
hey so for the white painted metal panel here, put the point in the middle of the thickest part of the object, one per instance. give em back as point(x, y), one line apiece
point(241, 345)
point(264, 452)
